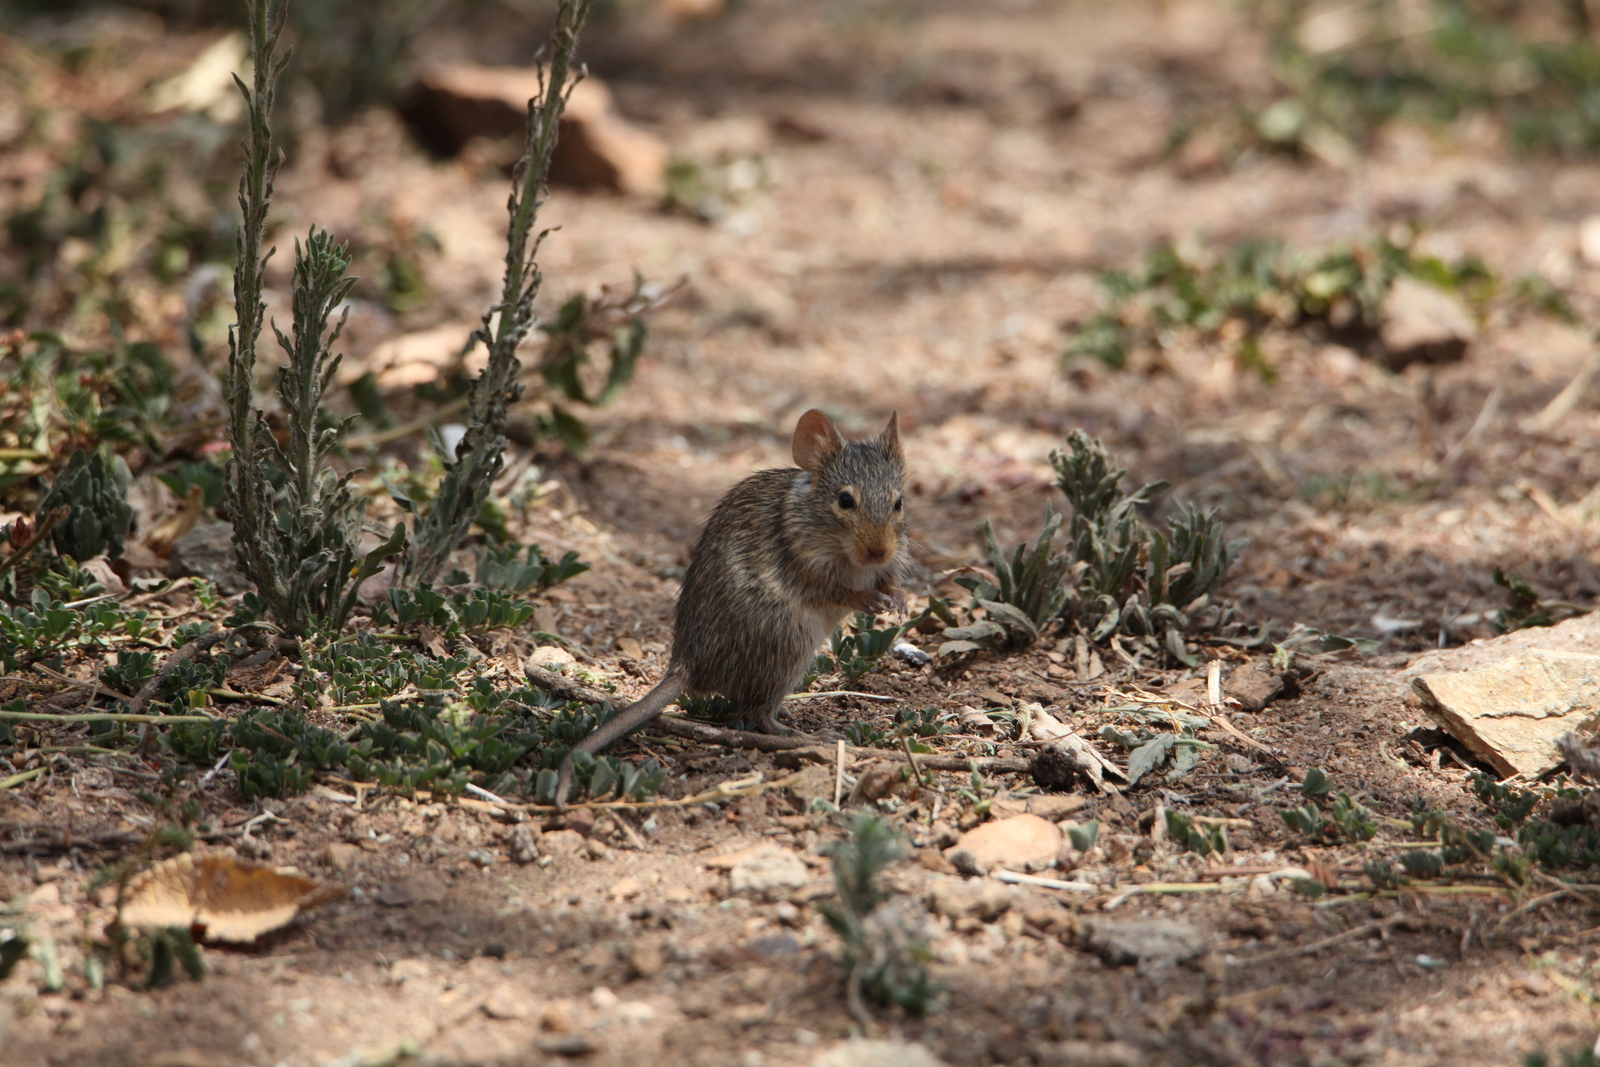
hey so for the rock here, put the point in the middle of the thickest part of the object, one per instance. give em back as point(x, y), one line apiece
point(1055, 806)
point(1589, 240)
point(1152, 944)
point(207, 552)
point(567, 1045)
point(814, 781)
point(342, 856)
point(862, 1052)
point(1422, 323)
point(1510, 714)
point(402, 971)
point(562, 842)
point(452, 103)
point(1022, 842)
point(764, 871)
point(625, 889)
point(646, 959)
point(1087, 1054)
point(411, 889)
point(978, 898)
point(418, 358)
point(522, 846)
point(1255, 685)
point(506, 1001)
point(1581, 634)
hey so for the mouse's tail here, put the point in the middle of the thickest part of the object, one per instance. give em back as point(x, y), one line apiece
point(619, 726)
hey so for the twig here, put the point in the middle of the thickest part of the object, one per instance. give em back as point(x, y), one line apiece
point(838, 775)
point(1159, 888)
point(1013, 878)
point(101, 716)
point(570, 689)
point(479, 791)
point(188, 652)
point(1486, 414)
point(25, 776)
point(1563, 402)
point(1327, 942)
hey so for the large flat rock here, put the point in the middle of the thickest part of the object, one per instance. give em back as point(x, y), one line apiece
point(1511, 713)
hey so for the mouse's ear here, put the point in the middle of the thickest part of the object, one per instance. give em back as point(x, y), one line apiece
point(890, 439)
point(816, 441)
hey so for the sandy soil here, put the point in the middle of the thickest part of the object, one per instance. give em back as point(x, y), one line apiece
point(941, 186)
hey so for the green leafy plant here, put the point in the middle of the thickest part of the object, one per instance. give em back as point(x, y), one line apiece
point(859, 650)
point(1535, 66)
point(184, 476)
point(1029, 590)
point(1132, 578)
point(499, 567)
point(884, 959)
point(1259, 286)
point(1524, 609)
point(1200, 838)
point(1421, 862)
point(908, 728)
point(95, 486)
point(304, 561)
point(1084, 836)
point(1150, 750)
point(1342, 818)
point(1578, 1057)
point(46, 627)
point(478, 458)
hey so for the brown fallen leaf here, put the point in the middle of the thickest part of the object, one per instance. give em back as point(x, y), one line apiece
point(164, 534)
point(225, 898)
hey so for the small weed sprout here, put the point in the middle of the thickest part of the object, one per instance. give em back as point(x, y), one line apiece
point(886, 960)
point(857, 652)
point(1524, 609)
point(1200, 838)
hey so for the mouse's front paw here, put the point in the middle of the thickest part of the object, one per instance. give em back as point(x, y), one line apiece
point(878, 602)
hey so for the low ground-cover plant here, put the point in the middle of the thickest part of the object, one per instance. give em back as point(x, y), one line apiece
point(1348, 69)
point(1114, 574)
point(885, 959)
point(1257, 287)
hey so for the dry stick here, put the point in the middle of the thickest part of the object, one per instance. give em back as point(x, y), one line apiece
point(1328, 942)
point(25, 776)
point(100, 716)
point(188, 652)
point(1486, 414)
point(838, 775)
point(1563, 402)
point(569, 689)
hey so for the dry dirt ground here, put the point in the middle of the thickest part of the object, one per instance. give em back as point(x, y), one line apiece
point(939, 186)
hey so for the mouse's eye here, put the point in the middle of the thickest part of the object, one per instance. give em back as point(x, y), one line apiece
point(847, 500)
point(899, 503)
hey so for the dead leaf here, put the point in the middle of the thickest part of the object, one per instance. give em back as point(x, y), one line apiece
point(976, 722)
point(164, 534)
point(231, 900)
point(1321, 872)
